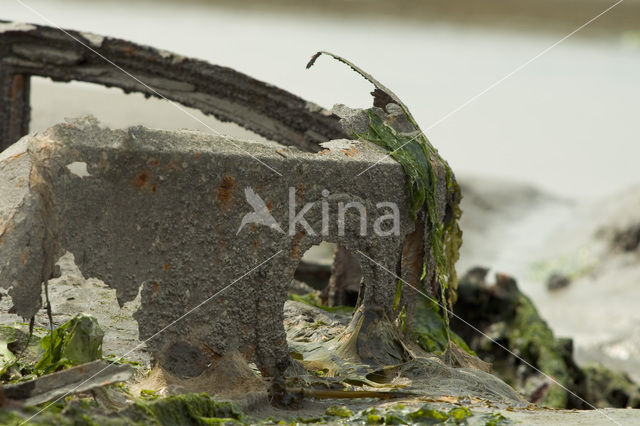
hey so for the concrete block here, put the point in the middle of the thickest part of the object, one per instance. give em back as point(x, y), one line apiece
point(161, 212)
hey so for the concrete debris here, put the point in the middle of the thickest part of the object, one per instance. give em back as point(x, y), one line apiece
point(208, 230)
point(149, 201)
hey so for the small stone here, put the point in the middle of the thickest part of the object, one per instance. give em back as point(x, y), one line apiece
point(627, 239)
point(557, 281)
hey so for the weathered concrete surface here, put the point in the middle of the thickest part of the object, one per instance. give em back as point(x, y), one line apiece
point(161, 210)
point(27, 245)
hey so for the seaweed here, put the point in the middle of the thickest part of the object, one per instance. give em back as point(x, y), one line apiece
point(530, 336)
point(185, 409)
point(75, 342)
point(427, 414)
point(418, 158)
point(338, 411)
point(8, 335)
point(415, 154)
point(429, 330)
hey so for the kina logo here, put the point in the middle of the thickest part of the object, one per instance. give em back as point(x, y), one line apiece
point(387, 215)
point(260, 214)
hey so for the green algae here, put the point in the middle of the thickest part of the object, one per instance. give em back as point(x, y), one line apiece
point(148, 394)
point(607, 388)
point(427, 414)
point(415, 154)
point(419, 160)
point(495, 419)
point(41, 352)
point(453, 240)
point(459, 413)
point(511, 318)
point(414, 157)
point(398, 296)
point(530, 337)
point(429, 329)
point(338, 411)
point(21, 350)
point(8, 335)
point(75, 342)
point(68, 412)
point(186, 409)
point(201, 409)
point(373, 416)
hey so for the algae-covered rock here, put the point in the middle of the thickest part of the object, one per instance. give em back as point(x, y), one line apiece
point(187, 409)
point(509, 317)
point(609, 388)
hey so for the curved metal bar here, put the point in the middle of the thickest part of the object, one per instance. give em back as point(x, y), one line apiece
point(229, 95)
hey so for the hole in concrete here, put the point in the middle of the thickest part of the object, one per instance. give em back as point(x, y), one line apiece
point(78, 168)
point(334, 271)
point(314, 268)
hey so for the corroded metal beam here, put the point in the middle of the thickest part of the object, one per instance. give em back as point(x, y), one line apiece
point(14, 107)
point(27, 50)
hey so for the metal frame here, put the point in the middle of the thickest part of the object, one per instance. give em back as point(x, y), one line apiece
point(27, 50)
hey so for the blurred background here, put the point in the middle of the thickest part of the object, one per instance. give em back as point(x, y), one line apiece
point(548, 157)
point(567, 122)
